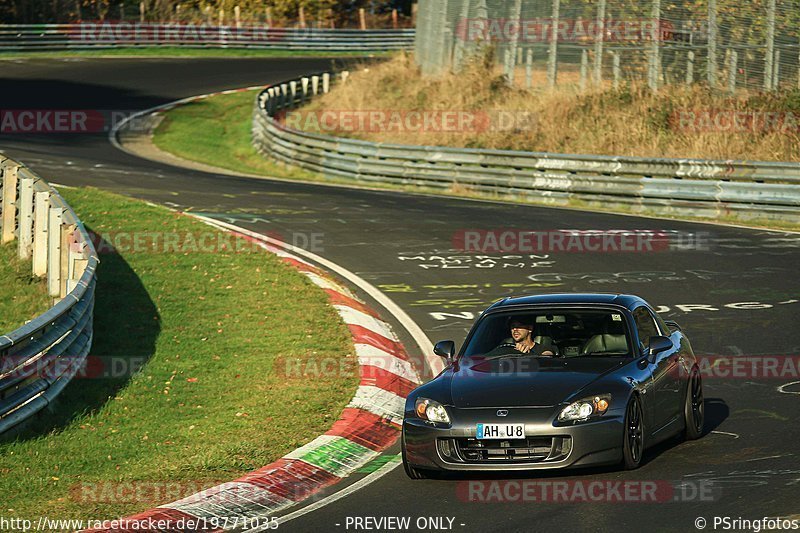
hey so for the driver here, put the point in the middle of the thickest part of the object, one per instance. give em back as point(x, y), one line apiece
point(522, 337)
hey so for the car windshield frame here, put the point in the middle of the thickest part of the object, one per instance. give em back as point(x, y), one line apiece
point(554, 309)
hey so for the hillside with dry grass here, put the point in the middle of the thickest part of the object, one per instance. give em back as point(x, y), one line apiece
point(676, 122)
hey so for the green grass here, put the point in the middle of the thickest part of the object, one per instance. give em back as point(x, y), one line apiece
point(22, 297)
point(175, 51)
point(211, 401)
point(217, 131)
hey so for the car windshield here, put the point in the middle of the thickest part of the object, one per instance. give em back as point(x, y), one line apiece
point(556, 332)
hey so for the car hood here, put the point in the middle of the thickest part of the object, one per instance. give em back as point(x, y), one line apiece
point(523, 381)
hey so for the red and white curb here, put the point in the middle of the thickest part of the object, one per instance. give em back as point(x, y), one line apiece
point(368, 425)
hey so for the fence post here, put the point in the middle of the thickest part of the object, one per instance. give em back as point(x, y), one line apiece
point(617, 70)
point(690, 67)
point(711, 64)
point(141, 12)
point(304, 89)
point(461, 35)
point(40, 217)
point(301, 15)
point(362, 18)
point(584, 69)
point(269, 17)
point(122, 12)
point(25, 217)
point(9, 203)
point(292, 93)
point(326, 83)
point(598, 43)
point(314, 85)
point(776, 70)
point(552, 56)
point(732, 66)
point(529, 69)
point(511, 56)
point(54, 251)
point(395, 23)
point(237, 16)
point(770, 55)
point(655, 49)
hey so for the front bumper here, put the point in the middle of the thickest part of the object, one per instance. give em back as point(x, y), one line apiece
point(435, 446)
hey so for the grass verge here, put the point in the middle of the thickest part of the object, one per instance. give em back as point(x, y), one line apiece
point(175, 51)
point(213, 335)
point(217, 131)
point(22, 297)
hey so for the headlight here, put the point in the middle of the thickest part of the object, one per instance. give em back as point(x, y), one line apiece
point(430, 410)
point(586, 408)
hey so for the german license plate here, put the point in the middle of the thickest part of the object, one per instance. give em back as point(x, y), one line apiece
point(501, 431)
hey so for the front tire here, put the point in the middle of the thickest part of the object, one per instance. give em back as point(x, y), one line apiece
point(694, 409)
point(633, 443)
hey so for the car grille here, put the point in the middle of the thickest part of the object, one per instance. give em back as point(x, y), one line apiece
point(528, 450)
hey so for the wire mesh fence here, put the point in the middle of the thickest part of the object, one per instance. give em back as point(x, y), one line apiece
point(727, 44)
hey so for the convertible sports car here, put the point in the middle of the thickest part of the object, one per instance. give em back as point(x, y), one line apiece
point(605, 379)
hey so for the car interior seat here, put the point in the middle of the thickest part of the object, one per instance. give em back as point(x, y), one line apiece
point(612, 339)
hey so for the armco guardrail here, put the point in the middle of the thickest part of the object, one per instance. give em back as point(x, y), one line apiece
point(747, 189)
point(98, 36)
point(40, 358)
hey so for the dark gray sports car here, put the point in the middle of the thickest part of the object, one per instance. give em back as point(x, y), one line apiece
point(555, 381)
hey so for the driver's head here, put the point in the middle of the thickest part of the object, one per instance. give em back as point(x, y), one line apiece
point(521, 327)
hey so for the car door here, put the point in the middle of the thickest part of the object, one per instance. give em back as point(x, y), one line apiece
point(666, 385)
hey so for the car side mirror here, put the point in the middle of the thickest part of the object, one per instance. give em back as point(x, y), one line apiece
point(657, 344)
point(446, 349)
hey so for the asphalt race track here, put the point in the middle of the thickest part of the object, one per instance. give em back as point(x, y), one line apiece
point(739, 294)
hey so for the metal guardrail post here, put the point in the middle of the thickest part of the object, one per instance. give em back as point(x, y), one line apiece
point(9, 219)
point(40, 229)
point(54, 251)
point(25, 217)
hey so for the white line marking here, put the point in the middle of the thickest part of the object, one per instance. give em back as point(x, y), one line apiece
point(734, 435)
point(780, 389)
